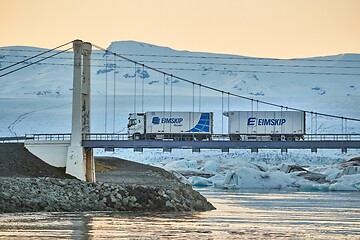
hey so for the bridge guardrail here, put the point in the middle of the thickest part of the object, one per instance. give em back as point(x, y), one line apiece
point(332, 137)
point(17, 139)
point(124, 137)
point(106, 136)
point(49, 137)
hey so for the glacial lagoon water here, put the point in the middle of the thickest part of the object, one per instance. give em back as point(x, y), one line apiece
point(239, 215)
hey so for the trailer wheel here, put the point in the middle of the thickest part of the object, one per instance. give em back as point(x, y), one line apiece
point(275, 138)
point(290, 138)
point(235, 138)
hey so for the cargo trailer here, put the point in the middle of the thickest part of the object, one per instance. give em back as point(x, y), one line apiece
point(171, 125)
point(266, 125)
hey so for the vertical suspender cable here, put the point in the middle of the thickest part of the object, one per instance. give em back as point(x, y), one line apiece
point(222, 110)
point(346, 132)
point(193, 105)
point(311, 124)
point(164, 92)
point(164, 101)
point(228, 103)
point(114, 112)
point(171, 97)
point(106, 90)
point(171, 92)
point(282, 127)
point(143, 88)
point(315, 123)
point(135, 89)
point(199, 97)
point(193, 95)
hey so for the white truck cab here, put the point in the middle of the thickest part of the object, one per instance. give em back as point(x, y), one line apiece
point(136, 125)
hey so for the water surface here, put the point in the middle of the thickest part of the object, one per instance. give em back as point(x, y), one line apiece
point(239, 214)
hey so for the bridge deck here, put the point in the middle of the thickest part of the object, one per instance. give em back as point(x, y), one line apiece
point(220, 144)
point(324, 141)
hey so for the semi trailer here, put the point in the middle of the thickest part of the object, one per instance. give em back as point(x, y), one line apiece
point(266, 125)
point(171, 125)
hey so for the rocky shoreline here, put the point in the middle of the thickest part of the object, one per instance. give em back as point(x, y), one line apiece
point(27, 184)
point(71, 195)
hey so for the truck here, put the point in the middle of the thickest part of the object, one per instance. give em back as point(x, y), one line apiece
point(164, 125)
point(266, 125)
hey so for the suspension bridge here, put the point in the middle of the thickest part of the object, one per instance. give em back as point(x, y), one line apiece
point(75, 150)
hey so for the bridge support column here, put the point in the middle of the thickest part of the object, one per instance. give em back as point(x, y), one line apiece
point(284, 150)
point(254, 150)
point(80, 161)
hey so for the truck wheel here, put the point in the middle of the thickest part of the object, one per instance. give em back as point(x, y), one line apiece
point(137, 136)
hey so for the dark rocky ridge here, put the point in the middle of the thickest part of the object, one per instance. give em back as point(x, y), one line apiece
point(27, 184)
point(17, 161)
point(71, 195)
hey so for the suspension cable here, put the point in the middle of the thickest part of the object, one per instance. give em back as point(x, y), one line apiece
point(15, 70)
point(38, 55)
point(232, 94)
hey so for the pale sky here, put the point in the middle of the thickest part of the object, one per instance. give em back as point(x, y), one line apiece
point(261, 28)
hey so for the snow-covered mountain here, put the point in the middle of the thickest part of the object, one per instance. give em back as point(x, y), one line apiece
point(323, 76)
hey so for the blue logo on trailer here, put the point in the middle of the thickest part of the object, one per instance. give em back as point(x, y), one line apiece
point(172, 120)
point(175, 121)
point(155, 120)
point(252, 121)
point(203, 125)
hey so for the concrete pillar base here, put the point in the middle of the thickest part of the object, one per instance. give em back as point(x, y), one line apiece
point(76, 162)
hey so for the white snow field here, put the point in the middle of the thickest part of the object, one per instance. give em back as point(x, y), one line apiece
point(37, 99)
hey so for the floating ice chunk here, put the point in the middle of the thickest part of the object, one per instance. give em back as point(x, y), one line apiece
point(252, 178)
point(181, 164)
point(341, 187)
point(200, 181)
point(210, 166)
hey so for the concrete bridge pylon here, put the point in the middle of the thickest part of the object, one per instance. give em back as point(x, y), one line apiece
point(80, 160)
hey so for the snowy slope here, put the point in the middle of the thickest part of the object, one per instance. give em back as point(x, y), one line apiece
point(37, 99)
